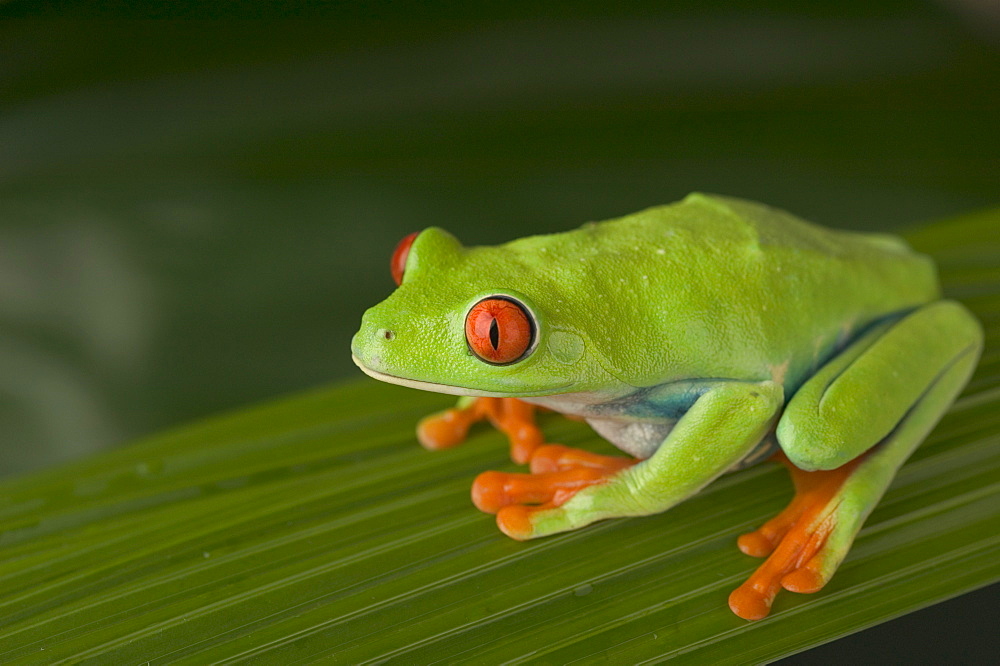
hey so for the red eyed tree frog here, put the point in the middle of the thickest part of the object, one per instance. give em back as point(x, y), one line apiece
point(698, 338)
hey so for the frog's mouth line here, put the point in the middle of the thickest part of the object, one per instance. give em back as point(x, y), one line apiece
point(449, 389)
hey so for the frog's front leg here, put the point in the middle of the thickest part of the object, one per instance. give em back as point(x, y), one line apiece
point(515, 418)
point(845, 433)
point(557, 473)
point(722, 425)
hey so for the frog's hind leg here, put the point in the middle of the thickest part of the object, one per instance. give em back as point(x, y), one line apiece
point(913, 369)
point(515, 418)
point(797, 540)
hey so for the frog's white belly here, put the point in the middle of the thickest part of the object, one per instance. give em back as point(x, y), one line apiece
point(636, 438)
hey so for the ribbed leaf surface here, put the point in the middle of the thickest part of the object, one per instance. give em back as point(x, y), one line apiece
point(316, 527)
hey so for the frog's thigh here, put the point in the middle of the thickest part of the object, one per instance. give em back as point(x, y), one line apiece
point(857, 398)
point(809, 553)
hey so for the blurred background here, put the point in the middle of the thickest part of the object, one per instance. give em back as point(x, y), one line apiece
point(194, 213)
point(195, 209)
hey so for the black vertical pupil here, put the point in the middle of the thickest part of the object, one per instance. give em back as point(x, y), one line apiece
point(494, 334)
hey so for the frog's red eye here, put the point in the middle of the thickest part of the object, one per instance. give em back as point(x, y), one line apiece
point(499, 330)
point(398, 263)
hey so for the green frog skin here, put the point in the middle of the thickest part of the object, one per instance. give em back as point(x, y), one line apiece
point(698, 338)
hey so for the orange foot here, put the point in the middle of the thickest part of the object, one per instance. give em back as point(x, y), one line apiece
point(795, 541)
point(557, 473)
point(515, 418)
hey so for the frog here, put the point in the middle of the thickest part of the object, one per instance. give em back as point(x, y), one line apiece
point(698, 338)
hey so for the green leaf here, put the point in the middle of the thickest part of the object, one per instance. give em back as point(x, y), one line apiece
point(316, 527)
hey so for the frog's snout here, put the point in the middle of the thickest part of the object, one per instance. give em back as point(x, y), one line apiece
point(369, 345)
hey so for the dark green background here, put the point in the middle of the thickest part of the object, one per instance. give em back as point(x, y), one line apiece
point(194, 213)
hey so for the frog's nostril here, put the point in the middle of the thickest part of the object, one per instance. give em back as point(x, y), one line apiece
point(385, 333)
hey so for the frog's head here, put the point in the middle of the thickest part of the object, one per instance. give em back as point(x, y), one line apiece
point(483, 321)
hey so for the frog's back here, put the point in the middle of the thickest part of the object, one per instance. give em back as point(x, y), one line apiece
point(774, 246)
point(739, 223)
point(744, 285)
point(776, 228)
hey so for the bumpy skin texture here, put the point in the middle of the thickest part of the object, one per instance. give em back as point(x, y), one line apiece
point(694, 337)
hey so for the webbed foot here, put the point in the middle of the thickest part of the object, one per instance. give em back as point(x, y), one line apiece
point(515, 418)
point(523, 502)
point(803, 544)
point(555, 457)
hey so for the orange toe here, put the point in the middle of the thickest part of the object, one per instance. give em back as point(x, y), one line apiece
point(750, 603)
point(489, 492)
point(804, 580)
point(525, 438)
point(555, 457)
point(755, 544)
point(444, 430)
point(515, 521)
point(492, 491)
point(516, 419)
